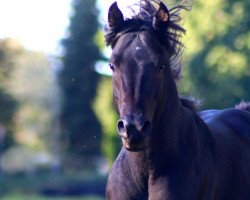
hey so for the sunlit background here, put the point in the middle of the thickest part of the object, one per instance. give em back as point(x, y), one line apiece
point(57, 123)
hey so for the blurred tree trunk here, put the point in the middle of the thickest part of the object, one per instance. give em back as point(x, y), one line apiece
point(9, 51)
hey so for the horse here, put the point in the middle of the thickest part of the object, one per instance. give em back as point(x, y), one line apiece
point(170, 150)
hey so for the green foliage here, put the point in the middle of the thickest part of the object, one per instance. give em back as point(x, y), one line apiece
point(81, 132)
point(9, 51)
point(217, 53)
point(8, 107)
point(104, 109)
point(33, 86)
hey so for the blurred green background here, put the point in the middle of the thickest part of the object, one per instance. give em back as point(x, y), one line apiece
point(57, 123)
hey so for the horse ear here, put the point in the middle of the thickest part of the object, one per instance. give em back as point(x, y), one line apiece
point(115, 16)
point(161, 17)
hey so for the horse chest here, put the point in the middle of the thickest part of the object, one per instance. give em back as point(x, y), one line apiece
point(129, 179)
point(123, 185)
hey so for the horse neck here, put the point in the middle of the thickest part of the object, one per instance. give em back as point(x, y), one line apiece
point(175, 134)
point(165, 123)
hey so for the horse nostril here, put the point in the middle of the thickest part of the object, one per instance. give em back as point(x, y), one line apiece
point(128, 129)
point(121, 128)
point(147, 127)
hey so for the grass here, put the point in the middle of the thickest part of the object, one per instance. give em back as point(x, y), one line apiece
point(27, 197)
point(21, 184)
point(21, 187)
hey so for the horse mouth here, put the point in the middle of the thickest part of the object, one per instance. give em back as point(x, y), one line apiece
point(133, 146)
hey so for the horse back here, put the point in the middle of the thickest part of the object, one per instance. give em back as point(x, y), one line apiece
point(230, 123)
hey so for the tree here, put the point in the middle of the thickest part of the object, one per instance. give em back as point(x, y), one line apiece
point(78, 81)
point(9, 51)
point(33, 86)
point(217, 53)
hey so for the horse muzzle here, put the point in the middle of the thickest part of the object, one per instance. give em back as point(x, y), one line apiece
point(134, 131)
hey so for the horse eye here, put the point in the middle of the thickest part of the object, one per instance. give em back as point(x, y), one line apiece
point(161, 67)
point(111, 66)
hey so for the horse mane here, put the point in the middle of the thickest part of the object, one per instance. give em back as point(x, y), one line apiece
point(143, 20)
point(191, 103)
point(243, 106)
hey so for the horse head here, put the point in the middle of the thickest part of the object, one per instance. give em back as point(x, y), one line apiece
point(142, 74)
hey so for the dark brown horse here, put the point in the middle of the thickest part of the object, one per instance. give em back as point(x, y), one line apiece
point(170, 151)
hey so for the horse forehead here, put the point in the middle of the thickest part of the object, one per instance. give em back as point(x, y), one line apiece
point(134, 47)
point(137, 51)
point(138, 48)
point(131, 43)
